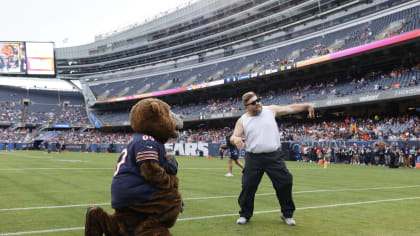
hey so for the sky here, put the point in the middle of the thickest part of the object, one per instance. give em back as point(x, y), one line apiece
point(76, 22)
point(69, 23)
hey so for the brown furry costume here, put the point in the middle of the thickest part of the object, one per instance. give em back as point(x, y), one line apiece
point(154, 216)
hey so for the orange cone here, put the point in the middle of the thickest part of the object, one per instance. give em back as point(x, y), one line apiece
point(320, 161)
point(418, 165)
point(208, 156)
point(325, 164)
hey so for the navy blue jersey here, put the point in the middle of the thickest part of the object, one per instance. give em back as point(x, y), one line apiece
point(128, 186)
point(234, 151)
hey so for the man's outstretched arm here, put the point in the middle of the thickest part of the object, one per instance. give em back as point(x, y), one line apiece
point(292, 109)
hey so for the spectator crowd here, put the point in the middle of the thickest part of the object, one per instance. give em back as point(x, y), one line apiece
point(374, 81)
point(380, 154)
point(390, 136)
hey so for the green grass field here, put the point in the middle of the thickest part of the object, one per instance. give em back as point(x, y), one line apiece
point(47, 194)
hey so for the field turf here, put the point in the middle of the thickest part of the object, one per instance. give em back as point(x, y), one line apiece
point(47, 194)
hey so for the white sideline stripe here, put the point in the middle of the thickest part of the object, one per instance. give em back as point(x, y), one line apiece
point(42, 231)
point(24, 155)
point(72, 160)
point(310, 191)
point(114, 168)
point(59, 169)
point(304, 208)
point(100, 168)
point(355, 189)
point(54, 207)
point(225, 215)
point(311, 168)
point(215, 197)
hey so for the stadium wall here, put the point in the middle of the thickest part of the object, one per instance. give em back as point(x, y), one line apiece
point(203, 149)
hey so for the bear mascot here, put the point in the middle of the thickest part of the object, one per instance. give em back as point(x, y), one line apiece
point(144, 189)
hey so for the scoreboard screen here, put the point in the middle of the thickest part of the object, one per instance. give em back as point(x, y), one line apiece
point(27, 58)
point(12, 58)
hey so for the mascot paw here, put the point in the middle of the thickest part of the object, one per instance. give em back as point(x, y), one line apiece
point(182, 206)
point(171, 166)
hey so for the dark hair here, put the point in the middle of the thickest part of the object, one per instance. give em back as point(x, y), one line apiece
point(247, 96)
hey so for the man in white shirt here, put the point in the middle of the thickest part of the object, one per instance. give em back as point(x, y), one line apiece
point(259, 130)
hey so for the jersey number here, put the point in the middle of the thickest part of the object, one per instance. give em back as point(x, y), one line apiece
point(122, 161)
point(146, 137)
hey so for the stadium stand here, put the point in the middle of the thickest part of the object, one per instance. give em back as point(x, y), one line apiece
point(42, 106)
point(333, 42)
point(217, 42)
point(399, 77)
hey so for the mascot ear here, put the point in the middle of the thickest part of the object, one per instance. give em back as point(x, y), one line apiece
point(155, 107)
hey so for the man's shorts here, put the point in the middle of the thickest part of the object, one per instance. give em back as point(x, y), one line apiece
point(234, 155)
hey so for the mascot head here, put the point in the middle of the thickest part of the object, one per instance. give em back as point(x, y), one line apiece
point(154, 117)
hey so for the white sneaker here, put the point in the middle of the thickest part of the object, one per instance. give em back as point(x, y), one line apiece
point(229, 175)
point(242, 221)
point(288, 221)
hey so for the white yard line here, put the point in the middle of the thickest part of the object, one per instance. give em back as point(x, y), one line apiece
point(81, 168)
point(43, 231)
point(215, 197)
point(25, 155)
point(310, 168)
point(305, 208)
point(226, 215)
point(13, 169)
point(53, 207)
point(72, 160)
point(310, 191)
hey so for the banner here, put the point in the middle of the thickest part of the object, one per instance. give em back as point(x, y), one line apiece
point(95, 121)
point(197, 149)
point(76, 147)
point(63, 126)
point(188, 149)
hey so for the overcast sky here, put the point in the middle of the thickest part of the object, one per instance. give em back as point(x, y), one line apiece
point(78, 21)
point(70, 23)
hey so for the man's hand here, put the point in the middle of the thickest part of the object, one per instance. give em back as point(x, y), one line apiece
point(292, 109)
point(238, 142)
point(311, 112)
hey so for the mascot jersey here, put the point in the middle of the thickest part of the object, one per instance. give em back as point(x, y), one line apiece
point(128, 186)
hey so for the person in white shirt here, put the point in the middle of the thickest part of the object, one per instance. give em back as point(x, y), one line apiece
point(259, 130)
